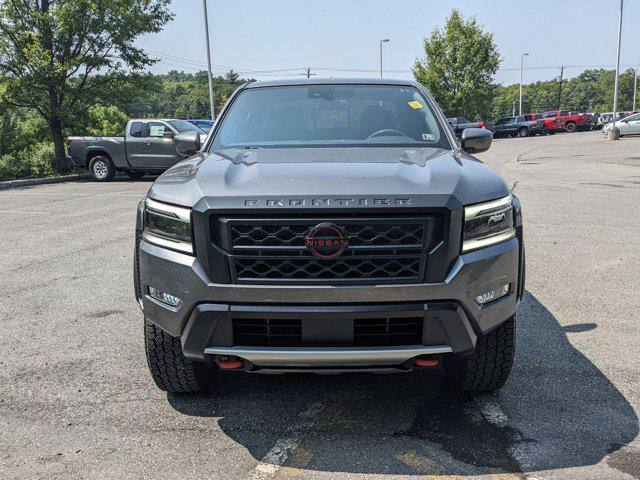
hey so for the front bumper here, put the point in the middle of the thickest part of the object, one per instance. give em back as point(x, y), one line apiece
point(452, 319)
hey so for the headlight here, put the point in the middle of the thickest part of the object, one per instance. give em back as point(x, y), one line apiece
point(488, 223)
point(168, 226)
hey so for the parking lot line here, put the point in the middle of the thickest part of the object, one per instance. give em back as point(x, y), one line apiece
point(273, 460)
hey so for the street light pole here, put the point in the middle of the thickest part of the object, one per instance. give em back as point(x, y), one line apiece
point(635, 84)
point(614, 132)
point(385, 40)
point(521, 68)
point(206, 36)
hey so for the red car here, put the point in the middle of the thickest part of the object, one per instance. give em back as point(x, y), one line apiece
point(549, 123)
point(569, 121)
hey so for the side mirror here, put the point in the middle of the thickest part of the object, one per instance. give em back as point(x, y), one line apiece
point(168, 134)
point(476, 140)
point(187, 143)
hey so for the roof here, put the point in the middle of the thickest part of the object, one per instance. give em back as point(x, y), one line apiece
point(330, 81)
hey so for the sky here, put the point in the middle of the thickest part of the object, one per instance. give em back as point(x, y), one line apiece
point(269, 39)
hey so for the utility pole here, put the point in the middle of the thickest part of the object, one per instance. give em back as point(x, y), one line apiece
point(614, 132)
point(521, 68)
point(385, 40)
point(513, 109)
point(560, 87)
point(206, 35)
point(635, 84)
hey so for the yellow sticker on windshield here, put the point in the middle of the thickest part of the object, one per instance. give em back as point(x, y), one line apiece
point(415, 104)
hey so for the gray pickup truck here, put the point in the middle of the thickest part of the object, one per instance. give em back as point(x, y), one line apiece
point(330, 226)
point(147, 147)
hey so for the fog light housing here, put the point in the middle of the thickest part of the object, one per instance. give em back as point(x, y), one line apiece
point(494, 294)
point(165, 298)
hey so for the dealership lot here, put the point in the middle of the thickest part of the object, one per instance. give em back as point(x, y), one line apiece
point(77, 400)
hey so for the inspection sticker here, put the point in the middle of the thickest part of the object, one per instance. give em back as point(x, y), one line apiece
point(415, 104)
point(429, 137)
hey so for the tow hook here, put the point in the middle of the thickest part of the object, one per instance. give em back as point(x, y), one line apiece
point(230, 363)
point(426, 361)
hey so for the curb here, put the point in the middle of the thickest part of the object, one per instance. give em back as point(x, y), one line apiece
point(40, 181)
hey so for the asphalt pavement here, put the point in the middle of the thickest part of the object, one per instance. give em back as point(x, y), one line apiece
point(77, 400)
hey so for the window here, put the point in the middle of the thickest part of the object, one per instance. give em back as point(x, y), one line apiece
point(550, 115)
point(329, 116)
point(184, 126)
point(136, 129)
point(520, 119)
point(157, 129)
point(505, 121)
point(462, 120)
point(564, 113)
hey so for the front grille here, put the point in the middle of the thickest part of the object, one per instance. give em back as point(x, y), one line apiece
point(316, 269)
point(387, 331)
point(382, 234)
point(257, 332)
point(287, 332)
point(272, 250)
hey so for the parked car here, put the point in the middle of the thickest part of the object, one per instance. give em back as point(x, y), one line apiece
point(569, 121)
point(306, 186)
point(537, 117)
point(628, 126)
point(607, 117)
point(147, 147)
point(204, 125)
point(459, 124)
point(516, 127)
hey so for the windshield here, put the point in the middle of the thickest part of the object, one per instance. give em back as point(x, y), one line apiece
point(329, 116)
point(184, 126)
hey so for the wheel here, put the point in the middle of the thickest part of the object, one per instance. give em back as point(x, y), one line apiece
point(101, 169)
point(570, 127)
point(544, 131)
point(488, 367)
point(170, 369)
point(134, 174)
point(523, 132)
point(552, 132)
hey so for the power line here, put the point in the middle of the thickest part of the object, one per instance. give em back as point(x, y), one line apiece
point(279, 72)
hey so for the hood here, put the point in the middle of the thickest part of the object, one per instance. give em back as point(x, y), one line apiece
point(287, 173)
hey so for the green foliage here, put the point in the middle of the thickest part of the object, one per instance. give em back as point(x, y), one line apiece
point(107, 121)
point(20, 128)
point(182, 95)
point(458, 70)
point(51, 53)
point(36, 160)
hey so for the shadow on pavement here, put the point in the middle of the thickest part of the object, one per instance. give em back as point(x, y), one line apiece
point(562, 412)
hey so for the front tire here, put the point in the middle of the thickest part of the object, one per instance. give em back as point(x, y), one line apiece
point(523, 132)
point(102, 169)
point(489, 366)
point(571, 127)
point(170, 369)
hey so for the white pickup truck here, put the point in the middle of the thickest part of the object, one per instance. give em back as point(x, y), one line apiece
point(147, 147)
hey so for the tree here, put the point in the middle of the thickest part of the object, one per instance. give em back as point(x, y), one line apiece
point(56, 56)
point(459, 67)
